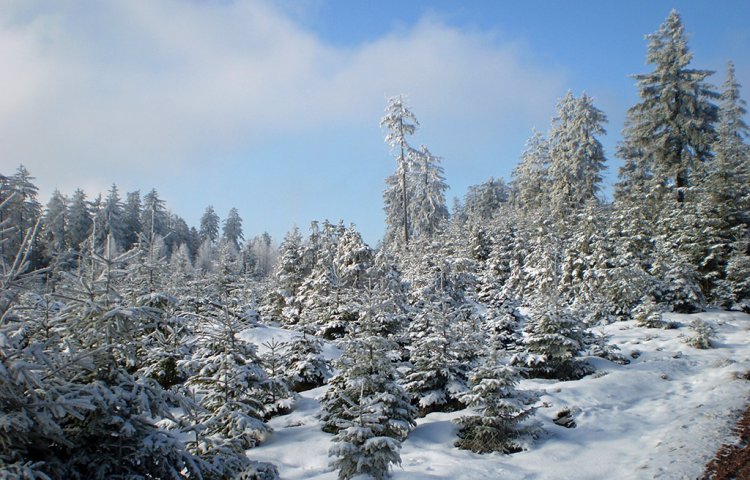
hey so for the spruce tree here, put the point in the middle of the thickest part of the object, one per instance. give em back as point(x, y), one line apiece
point(80, 222)
point(484, 200)
point(54, 226)
point(576, 155)
point(367, 410)
point(500, 422)
point(232, 230)
point(669, 134)
point(131, 219)
point(399, 123)
point(209, 229)
point(530, 177)
point(428, 210)
point(154, 218)
point(553, 338)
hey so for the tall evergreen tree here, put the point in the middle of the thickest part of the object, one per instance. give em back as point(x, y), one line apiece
point(110, 219)
point(132, 219)
point(209, 229)
point(484, 200)
point(530, 177)
point(23, 210)
point(576, 155)
point(670, 132)
point(55, 225)
point(428, 210)
point(154, 218)
point(399, 123)
point(728, 179)
point(79, 220)
point(232, 230)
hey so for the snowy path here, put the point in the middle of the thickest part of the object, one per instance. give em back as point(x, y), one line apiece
point(662, 416)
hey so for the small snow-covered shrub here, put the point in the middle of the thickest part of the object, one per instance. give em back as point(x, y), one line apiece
point(598, 346)
point(259, 471)
point(649, 315)
point(703, 334)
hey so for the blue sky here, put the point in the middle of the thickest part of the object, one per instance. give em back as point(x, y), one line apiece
point(273, 107)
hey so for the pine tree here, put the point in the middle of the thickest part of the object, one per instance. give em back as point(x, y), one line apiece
point(365, 407)
point(23, 210)
point(278, 398)
point(80, 222)
point(154, 218)
point(289, 274)
point(109, 219)
point(729, 173)
point(352, 260)
point(399, 122)
point(438, 376)
point(670, 132)
point(428, 210)
point(54, 226)
point(181, 267)
point(305, 364)
point(484, 200)
point(502, 412)
point(227, 377)
point(179, 232)
point(209, 229)
point(725, 203)
point(324, 308)
point(530, 177)
point(576, 155)
point(264, 253)
point(553, 340)
point(232, 231)
point(131, 219)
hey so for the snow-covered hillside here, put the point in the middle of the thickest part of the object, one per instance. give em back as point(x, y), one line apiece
point(664, 415)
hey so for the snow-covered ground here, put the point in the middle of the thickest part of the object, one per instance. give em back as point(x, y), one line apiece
point(662, 416)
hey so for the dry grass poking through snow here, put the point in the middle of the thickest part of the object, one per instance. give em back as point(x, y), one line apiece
point(733, 461)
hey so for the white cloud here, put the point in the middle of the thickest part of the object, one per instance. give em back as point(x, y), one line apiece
point(150, 87)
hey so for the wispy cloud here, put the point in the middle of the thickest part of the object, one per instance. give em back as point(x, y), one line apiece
point(133, 89)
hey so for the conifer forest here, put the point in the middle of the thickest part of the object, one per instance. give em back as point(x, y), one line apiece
point(543, 326)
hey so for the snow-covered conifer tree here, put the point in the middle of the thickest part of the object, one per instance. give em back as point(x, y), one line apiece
point(209, 229)
point(483, 200)
point(427, 208)
point(154, 218)
point(530, 177)
point(227, 379)
point(54, 226)
point(437, 377)
point(109, 219)
point(553, 340)
point(232, 230)
point(131, 218)
point(399, 122)
point(79, 220)
point(305, 366)
point(670, 132)
point(367, 410)
point(576, 155)
point(501, 412)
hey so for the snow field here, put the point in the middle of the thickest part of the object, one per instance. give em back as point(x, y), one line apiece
point(662, 416)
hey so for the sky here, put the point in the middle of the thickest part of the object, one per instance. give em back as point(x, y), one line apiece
point(273, 106)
